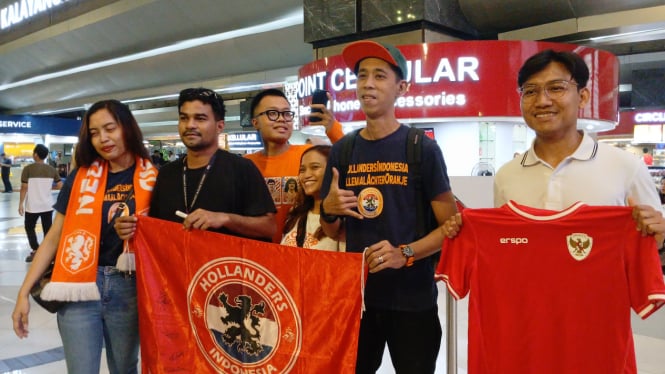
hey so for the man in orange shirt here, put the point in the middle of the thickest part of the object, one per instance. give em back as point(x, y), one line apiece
point(279, 160)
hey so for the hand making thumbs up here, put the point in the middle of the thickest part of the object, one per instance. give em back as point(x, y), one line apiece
point(340, 202)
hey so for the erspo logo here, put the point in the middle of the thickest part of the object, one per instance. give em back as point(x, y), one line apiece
point(243, 318)
point(517, 241)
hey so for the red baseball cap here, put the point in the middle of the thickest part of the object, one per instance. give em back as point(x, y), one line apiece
point(362, 49)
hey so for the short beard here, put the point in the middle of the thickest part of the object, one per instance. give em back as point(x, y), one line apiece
point(200, 146)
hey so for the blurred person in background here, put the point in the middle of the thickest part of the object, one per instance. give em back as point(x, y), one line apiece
point(6, 165)
point(36, 201)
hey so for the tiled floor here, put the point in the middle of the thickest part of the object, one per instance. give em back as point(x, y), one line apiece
point(41, 352)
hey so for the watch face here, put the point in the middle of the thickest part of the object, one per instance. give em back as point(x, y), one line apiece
point(407, 251)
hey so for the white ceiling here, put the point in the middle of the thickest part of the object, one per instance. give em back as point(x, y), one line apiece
point(217, 44)
point(168, 45)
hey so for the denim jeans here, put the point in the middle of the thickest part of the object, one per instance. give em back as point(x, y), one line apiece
point(113, 320)
point(5, 180)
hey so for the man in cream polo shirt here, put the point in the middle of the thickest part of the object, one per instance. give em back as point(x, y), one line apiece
point(565, 165)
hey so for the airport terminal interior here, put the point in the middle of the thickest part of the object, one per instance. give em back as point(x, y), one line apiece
point(58, 58)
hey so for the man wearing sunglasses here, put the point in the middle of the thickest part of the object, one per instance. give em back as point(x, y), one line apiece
point(279, 160)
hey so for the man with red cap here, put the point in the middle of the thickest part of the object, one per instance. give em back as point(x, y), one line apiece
point(372, 198)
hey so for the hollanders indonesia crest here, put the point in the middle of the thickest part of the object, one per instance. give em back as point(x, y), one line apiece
point(243, 317)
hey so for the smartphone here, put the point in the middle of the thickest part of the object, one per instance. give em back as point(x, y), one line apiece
point(318, 97)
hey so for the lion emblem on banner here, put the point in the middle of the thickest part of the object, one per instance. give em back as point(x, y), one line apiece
point(243, 322)
point(243, 317)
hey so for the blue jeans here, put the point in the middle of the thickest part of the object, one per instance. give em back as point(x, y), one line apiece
point(113, 321)
point(6, 182)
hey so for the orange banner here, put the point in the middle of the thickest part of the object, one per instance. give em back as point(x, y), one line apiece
point(215, 303)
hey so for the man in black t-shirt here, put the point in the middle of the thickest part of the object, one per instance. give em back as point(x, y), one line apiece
point(211, 189)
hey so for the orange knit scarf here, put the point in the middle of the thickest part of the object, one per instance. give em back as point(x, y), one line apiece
point(75, 272)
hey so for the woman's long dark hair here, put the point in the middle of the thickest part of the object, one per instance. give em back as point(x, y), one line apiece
point(298, 213)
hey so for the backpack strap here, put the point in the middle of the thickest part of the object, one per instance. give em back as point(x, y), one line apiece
point(348, 141)
point(414, 151)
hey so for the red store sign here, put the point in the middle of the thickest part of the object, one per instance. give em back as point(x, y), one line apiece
point(630, 118)
point(461, 79)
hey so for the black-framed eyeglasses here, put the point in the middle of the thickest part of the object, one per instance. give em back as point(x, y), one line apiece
point(555, 89)
point(273, 114)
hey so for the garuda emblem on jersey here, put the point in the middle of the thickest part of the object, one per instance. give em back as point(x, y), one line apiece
point(579, 245)
point(243, 318)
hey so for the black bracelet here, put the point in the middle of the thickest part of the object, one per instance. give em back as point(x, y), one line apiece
point(326, 218)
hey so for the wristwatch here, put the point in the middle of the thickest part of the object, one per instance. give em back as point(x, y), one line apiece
point(407, 252)
point(325, 217)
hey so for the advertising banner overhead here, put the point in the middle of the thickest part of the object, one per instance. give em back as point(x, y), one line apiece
point(467, 79)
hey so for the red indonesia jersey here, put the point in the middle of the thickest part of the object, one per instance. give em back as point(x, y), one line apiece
point(551, 292)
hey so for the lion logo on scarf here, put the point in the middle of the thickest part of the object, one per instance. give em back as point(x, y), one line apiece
point(78, 248)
